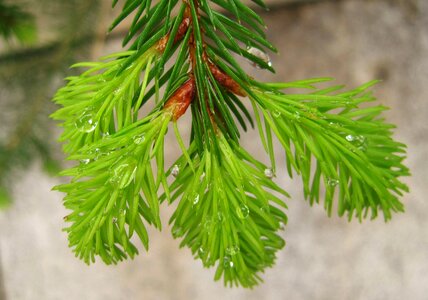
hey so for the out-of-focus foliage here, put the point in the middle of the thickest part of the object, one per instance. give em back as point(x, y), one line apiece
point(28, 79)
point(16, 23)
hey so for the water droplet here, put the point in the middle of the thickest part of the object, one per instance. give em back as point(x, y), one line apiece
point(359, 141)
point(297, 116)
point(196, 199)
point(335, 125)
point(201, 252)
point(269, 173)
point(207, 225)
point(227, 262)
point(202, 177)
point(362, 143)
point(96, 153)
point(232, 250)
point(114, 220)
point(138, 139)
point(259, 54)
point(332, 182)
point(101, 79)
point(117, 91)
point(85, 161)
point(220, 217)
point(86, 123)
point(243, 211)
point(175, 170)
point(265, 208)
point(122, 175)
point(350, 138)
point(276, 113)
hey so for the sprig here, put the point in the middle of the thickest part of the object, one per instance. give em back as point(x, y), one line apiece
point(104, 193)
point(352, 146)
point(101, 100)
point(228, 214)
point(229, 211)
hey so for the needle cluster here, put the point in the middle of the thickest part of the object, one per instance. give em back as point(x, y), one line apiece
point(229, 211)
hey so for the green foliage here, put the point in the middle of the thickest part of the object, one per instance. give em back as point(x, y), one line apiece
point(228, 215)
point(4, 197)
point(229, 211)
point(14, 22)
point(104, 193)
point(352, 146)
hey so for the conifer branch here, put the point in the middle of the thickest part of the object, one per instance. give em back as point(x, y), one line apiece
point(229, 211)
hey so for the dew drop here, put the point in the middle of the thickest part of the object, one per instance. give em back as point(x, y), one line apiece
point(139, 139)
point(122, 175)
point(232, 250)
point(202, 177)
point(350, 138)
point(276, 113)
point(117, 91)
point(359, 141)
point(265, 208)
point(269, 173)
point(196, 199)
point(85, 161)
point(97, 153)
point(259, 54)
point(220, 217)
point(297, 116)
point(207, 225)
point(175, 170)
point(201, 252)
point(332, 182)
point(243, 211)
point(334, 125)
point(227, 262)
point(86, 123)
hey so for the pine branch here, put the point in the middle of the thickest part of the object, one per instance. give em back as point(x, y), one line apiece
point(352, 147)
point(229, 210)
point(228, 215)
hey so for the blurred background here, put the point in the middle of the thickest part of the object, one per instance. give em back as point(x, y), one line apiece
point(353, 41)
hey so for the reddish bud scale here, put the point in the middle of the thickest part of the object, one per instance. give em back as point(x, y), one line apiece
point(178, 103)
point(226, 81)
point(182, 29)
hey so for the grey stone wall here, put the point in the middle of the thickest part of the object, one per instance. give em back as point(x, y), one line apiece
point(325, 258)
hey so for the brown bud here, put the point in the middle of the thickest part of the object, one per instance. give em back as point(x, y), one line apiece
point(226, 81)
point(178, 103)
point(182, 29)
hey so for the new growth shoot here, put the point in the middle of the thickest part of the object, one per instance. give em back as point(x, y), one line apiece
point(229, 211)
